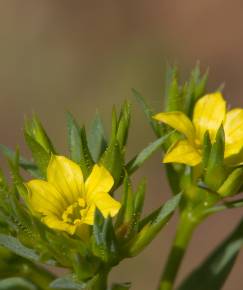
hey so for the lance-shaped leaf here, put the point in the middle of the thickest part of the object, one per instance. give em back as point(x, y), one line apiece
point(213, 271)
point(195, 88)
point(27, 165)
point(157, 128)
point(226, 205)
point(71, 282)
point(16, 247)
point(78, 146)
point(123, 286)
point(146, 153)
point(126, 212)
point(39, 154)
point(153, 226)
point(113, 161)
point(139, 199)
point(104, 243)
point(123, 124)
point(233, 183)
point(96, 138)
point(14, 283)
point(174, 96)
point(129, 215)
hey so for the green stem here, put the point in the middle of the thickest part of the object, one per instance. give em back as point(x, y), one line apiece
point(183, 236)
point(102, 280)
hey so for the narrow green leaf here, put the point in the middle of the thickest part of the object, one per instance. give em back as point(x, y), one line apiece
point(175, 100)
point(233, 183)
point(201, 86)
point(74, 140)
point(114, 124)
point(214, 270)
point(123, 125)
point(27, 165)
point(35, 129)
point(78, 146)
point(148, 113)
point(68, 282)
point(139, 198)
point(207, 147)
point(96, 138)
point(152, 228)
point(138, 160)
point(15, 246)
point(123, 286)
point(226, 205)
point(113, 161)
point(14, 283)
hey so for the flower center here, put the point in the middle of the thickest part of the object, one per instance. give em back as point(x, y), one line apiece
point(74, 212)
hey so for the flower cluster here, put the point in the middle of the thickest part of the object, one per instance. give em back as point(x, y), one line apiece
point(67, 212)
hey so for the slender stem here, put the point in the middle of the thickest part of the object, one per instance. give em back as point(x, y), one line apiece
point(102, 281)
point(183, 235)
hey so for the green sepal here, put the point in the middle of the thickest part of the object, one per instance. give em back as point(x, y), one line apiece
point(114, 124)
point(129, 215)
point(196, 87)
point(126, 212)
point(139, 198)
point(78, 146)
point(34, 128)
point(174, 95)
point(104, 243)
point(39, 154)
point(123, 125)
point(146, 153)
point(207, 147)
point(232, 184)
point(84, 267)
point(152, 228)
point(96, 138)
point(215, 171)
point(113, 160)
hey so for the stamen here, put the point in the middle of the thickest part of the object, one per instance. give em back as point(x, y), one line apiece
point(73, 213)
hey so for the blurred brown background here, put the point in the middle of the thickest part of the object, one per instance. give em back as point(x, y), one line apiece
point(87, 55)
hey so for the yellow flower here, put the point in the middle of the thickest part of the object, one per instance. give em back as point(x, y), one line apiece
point(65, 201)
point(209, 114)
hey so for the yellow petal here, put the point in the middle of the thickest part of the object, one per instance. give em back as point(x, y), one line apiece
point(99, 180)
point(183, 152)
point(66, 176)
point(233, 128)
point(178, 121)
point(88, 215)
point(209, 114)
point(107, 205)
point(44, 198)
point(54, 223)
